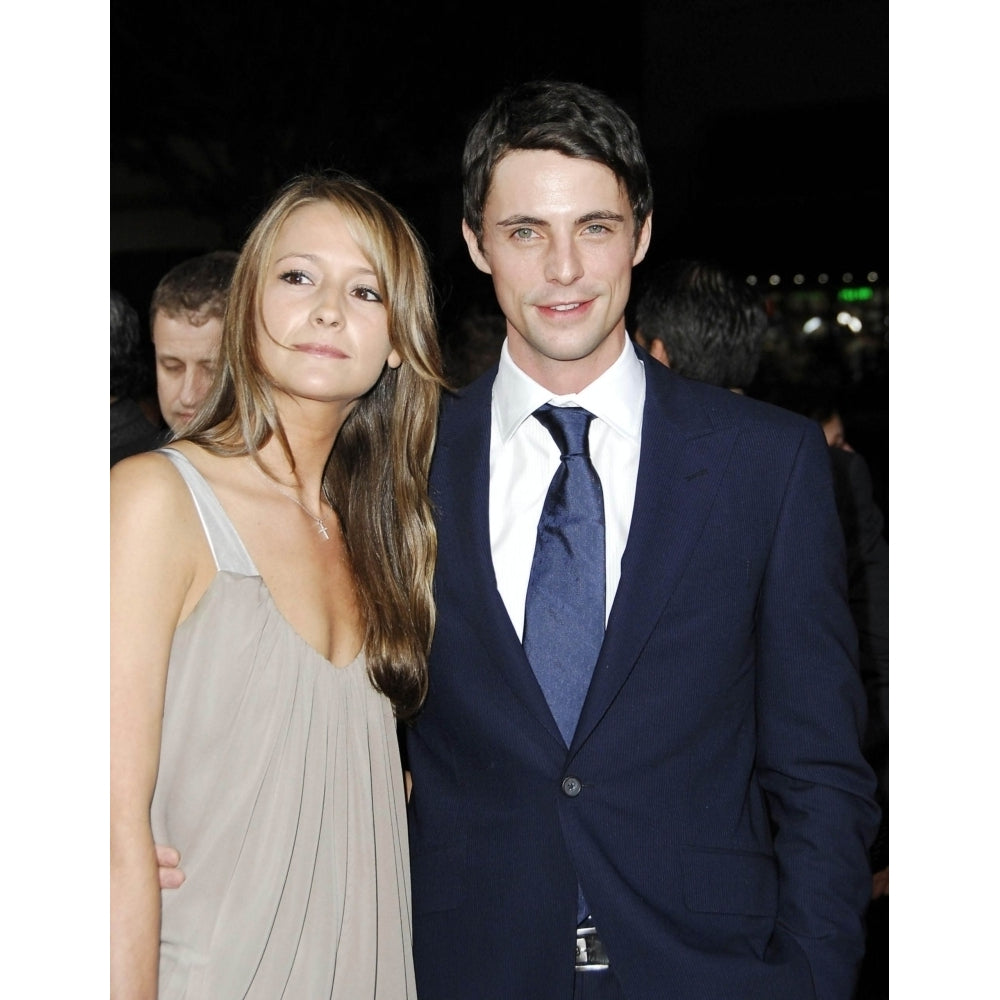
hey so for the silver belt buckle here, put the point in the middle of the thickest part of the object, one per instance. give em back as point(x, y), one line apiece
point(590, 953)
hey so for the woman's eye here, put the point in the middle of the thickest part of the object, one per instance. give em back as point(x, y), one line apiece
point(368, 294)
point(294, 277)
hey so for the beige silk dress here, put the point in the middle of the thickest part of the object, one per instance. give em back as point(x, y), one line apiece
point(280, 783)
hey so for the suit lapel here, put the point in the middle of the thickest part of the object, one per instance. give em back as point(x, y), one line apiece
point(682, 459)
point(462, 456)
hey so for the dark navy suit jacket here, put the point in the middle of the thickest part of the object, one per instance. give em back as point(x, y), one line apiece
point(722, 812)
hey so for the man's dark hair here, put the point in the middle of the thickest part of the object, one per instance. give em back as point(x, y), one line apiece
point(131, 366)
point(571, 119)
point(195, 289)
point(711, 322)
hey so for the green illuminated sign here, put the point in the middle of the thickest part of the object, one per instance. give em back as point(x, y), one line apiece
point(862, 294)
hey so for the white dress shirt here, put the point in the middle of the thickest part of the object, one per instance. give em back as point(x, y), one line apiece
point(524, 457)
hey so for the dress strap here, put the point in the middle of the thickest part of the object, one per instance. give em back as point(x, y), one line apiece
point(227, 547)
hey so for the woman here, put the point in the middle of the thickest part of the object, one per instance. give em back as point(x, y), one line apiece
point(271, 616)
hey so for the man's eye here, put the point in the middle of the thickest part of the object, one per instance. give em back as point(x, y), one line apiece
point(524, 233)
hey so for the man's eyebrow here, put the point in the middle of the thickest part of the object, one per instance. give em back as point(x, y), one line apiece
point(205, 359)
point(521, 220)
point(599, 215)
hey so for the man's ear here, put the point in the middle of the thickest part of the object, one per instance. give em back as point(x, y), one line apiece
point(655, 346)
point(477, 255)
point(642, 244)
point(659, 351)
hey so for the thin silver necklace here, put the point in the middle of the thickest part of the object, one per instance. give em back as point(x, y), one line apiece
point(318, 521)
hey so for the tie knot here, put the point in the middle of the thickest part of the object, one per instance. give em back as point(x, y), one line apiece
point(568, 426)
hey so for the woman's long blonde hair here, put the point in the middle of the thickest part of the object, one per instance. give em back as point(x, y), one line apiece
point(377, 472)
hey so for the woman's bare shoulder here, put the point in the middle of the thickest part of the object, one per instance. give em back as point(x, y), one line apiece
point(157, 535)
point(147, 488)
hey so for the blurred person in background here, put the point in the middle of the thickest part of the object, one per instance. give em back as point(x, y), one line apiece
point(185, 320)
point(703, 322)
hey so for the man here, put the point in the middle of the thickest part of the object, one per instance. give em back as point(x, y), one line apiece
point(708, 802)
point(711, 805)
point(702, 321)
point(185, 320)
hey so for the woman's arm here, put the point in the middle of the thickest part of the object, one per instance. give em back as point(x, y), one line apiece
point(152, 567)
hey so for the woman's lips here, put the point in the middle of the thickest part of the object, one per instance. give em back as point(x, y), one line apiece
point(321, 350)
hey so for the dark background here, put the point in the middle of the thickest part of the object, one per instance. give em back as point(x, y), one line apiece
point(765, 122)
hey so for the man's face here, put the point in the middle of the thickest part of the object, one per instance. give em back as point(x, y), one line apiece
point(186, 357)
point(558, 242)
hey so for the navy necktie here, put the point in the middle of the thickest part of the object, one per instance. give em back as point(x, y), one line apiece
point(564, 604)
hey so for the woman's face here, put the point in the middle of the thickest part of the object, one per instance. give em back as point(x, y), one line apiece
point(323, 332)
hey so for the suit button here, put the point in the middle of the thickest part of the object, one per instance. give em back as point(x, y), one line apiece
point(571, 787)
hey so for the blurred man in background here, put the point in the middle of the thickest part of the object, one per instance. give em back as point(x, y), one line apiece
point(185, 319)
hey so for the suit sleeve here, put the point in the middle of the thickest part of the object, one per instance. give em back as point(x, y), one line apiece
point(811, 713)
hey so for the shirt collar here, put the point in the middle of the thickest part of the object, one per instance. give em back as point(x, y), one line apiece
point(616, 397)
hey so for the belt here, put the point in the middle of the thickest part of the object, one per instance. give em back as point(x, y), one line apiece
point(590, 953)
